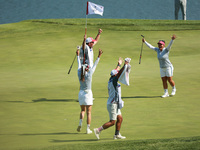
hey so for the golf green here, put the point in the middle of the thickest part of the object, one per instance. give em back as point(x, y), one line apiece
point(38, 99)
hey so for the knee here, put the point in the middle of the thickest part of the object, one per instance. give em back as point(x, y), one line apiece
point(119, 119)
point(112, 122)
point(88, 112)
point(82, 112)
point(170, 80)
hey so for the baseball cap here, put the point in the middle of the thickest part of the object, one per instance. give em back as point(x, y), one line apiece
point(161, 42)
point(114, 72)
point(90, 39)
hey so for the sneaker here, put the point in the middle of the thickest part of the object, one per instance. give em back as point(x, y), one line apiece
point(79, 128)
point(89, 131)
point(165, 95)
point(97, 133)
point(118, 137)
point(173, 92)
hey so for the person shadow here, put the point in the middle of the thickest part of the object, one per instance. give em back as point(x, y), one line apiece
point(54, 100)
point(141, 97)
point(136, 97)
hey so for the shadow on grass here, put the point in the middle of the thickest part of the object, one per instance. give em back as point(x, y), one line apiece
point(58, 133)
point(79, 140)
point(44, 100)
point(142, 97)
point(54, 100)
point(136, 97)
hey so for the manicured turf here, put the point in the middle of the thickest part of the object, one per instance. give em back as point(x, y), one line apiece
point(38, 99)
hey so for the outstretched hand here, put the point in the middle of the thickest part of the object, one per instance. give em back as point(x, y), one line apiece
point(100, 53)
point(173, 37)
point(77, 52)
point(100, 31)
point(120, 60)
point(143, 40)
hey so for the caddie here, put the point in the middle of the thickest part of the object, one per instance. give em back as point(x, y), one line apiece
point(114, 102)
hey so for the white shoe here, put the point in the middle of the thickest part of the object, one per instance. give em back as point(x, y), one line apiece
point(88, 131)
point(97, 133)
point(79, 128)
point(173, 92)
point(118, 137)
point(165, 95)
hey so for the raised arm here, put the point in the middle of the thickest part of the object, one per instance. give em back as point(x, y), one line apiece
point(171, 42)
point(97, 60)
point(84, 42)
point(98, 36)
point(78, 58)
point(122, 69)
point(149, 45)
point(120, 60)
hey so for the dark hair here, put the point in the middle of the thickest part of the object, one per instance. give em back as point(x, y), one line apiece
point(162, 40)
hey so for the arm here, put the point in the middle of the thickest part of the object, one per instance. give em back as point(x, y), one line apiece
point(78, 59)
point(98, 36)
point(119, 63)
point(149, 45)
point(122, 69)
point(97, 60)
point(171, 42)
point(84, 42)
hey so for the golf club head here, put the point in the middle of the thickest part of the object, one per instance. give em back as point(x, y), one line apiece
point(142, 36)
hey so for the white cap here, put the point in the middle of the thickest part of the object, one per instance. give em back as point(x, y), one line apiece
point(114, 72)
point(90, 39)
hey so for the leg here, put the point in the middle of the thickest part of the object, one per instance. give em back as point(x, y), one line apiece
point(105, 126)
point(83, 108)
point(112, 110)
point(118, 127)
point(165, 86)
point(177, 6)
point(108, 124)
point(88, 109)
point(172, 83)
point(164, 81)
point(183, 9)
point(82, 113)
point(118, 123)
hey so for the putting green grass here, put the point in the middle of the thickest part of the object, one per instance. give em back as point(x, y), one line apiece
point(38, 99)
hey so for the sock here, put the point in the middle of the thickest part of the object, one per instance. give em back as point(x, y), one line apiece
point(80, 122)
point(100, 128)
point(166, 90)
point(117, 132)
point(173, 87)
point(88, 126)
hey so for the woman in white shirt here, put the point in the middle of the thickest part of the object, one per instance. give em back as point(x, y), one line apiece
point(166, 67)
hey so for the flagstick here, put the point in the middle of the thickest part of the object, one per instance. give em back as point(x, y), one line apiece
point(86, 25)
point(85, 34)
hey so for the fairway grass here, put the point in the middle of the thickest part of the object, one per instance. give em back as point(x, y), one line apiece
point(38, 99)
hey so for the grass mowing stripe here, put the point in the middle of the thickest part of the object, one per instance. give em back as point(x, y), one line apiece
point(188, 143)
